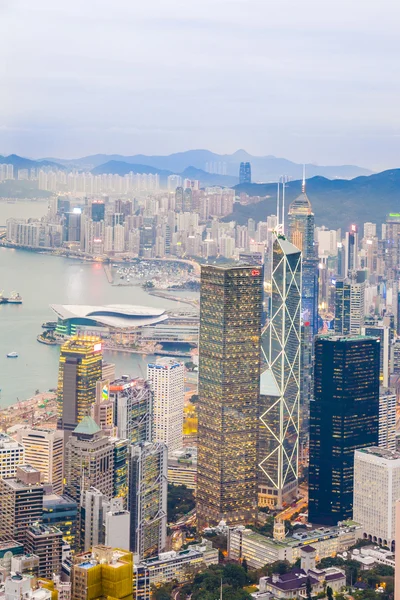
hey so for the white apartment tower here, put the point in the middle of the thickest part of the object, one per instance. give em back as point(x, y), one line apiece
point(376, 490)
point(387, 420)
point(166, 377)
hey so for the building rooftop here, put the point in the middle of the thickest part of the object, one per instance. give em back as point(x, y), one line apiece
point(380, 452)
point(346, 338)
point(87, 426)
point(8, 443)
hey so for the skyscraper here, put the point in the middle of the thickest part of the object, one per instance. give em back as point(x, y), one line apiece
point(349, 305)
point(280, 380)
point(80, 368)
point(44, 450)
point(45, 541)
point(133, 405)
point(148, 498)
point(229, 346)
point(11, 455)
point(344, 416)
point(97, 211)
point(245, 172)
point(166, 377)
point(351, 250)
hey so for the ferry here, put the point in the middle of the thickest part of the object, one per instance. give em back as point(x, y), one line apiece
point(15, 298)
point(12, 355)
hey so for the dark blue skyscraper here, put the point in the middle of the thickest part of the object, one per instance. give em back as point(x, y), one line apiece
point(245, 172)
point(344, 416)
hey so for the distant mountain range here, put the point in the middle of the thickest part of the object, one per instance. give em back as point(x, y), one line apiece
point(264, 168)
point(20, 162)
point(337, 203)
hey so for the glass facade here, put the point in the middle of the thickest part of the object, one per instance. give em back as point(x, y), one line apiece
point(280, 381)
point(80, 368)
point(229, 373)
point(61, 512)
point(344, 416)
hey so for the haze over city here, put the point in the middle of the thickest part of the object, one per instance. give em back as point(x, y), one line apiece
point(310, 81)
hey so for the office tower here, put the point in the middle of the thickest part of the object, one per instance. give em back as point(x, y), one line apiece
point(121, 459)
point(179, 199)
point(349, 306)
point(91, 519)
point(104, 572)
point(245, 172)
point(45, 542)
point(44, 449)
point(117, 525)
point(80, 368)
point(102, 411)
point(229, 369)
point(148, 498)
point(392, 246)
point(11, 455)
point(187, 200)
point(89, 461)
point(72, 227)
point(369, 230)
point(387, 420)
point(166, 378)
point(133, 400)
point(280, 380)
point(21, 499)
point(383, 333)
point(97, 211)
point(344, 416)
point(61, 512)
point(351, 250)
point(376, 489)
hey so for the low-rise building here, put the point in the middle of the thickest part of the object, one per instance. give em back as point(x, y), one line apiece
point(182, 468)
point(170, 566)
point(259, 550)
point(294, 583)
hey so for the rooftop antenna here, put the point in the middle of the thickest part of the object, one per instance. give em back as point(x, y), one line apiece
point(283, 205)
point(303, 185)
point(277, 206)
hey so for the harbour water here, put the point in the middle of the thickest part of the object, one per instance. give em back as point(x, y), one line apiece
point(42, 280)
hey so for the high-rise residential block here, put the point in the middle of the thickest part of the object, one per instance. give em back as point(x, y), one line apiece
point(376, 489)
point(44, 449)
point(45, 541)
point(279, 410)
point(11, 455)
point(245, 172)
point(166, 377)
point(80, 368)
point(387, 420)
point(229, 370)
point(133, 402)
point(147, 504)
point(344, 416)
point(91, 519)
point(21, 499)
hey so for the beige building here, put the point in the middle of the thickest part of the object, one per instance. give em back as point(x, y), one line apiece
point(376, 490)
point(44, 450)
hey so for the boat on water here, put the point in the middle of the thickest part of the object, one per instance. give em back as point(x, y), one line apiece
point(49, 324)
point(15, 298)
point(12, 355)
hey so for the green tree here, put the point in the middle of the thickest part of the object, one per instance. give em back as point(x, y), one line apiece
point(235, 576)
point(244, 565)
point(329, 593)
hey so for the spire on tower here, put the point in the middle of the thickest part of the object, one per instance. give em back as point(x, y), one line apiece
point(303, 185)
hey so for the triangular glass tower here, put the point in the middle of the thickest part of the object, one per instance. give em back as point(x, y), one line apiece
point(280, 380)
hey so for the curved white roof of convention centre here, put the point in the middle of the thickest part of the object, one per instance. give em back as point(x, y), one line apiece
point(111, 315)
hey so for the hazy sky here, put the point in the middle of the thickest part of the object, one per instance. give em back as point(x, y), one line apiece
point(310, 80)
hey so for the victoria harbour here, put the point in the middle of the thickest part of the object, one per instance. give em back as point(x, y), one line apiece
point(42, 280)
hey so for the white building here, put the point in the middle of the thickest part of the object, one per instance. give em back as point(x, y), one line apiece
point(376, 489)
point(44, 450)
point(166, 377)
point(117, 525)
point(387, 420)
point(11, 455)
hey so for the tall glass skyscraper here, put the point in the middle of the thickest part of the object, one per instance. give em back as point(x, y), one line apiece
point(229, 375)
point(245, 172)
point(80, 368)
point(280, 380)
point(344, 416)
